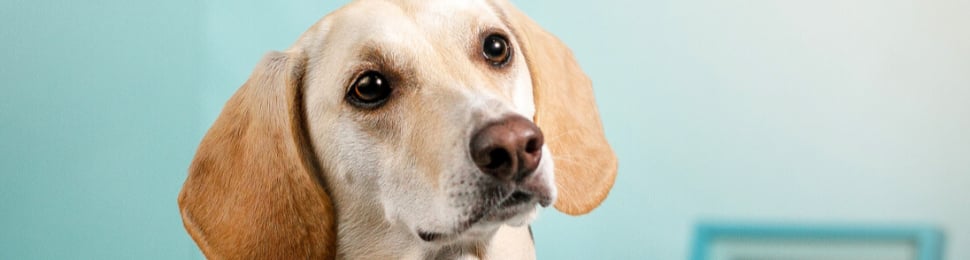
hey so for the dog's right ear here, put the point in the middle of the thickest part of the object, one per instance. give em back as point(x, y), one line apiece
point(254, 190)
point(567, 114)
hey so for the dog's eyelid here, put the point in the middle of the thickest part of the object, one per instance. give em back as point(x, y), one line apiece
point(486, 31)
point(354, 72)
point(365, 64)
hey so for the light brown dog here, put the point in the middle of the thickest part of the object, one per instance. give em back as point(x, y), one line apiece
point(400, 129)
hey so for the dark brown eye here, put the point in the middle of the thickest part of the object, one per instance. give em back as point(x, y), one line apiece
point(370, 90)
point(496, 50)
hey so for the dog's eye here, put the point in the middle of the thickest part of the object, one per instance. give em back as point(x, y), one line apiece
point(370, 90)
point(496, 50)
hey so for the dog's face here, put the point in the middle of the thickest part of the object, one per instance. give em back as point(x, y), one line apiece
point(443, 117)
point(427, 107)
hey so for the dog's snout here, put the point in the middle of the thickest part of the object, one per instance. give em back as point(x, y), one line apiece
point(508, 149)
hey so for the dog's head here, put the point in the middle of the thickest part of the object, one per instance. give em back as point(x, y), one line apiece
point(448, 117)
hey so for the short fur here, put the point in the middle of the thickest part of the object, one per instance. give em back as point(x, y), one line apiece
point(291, 170)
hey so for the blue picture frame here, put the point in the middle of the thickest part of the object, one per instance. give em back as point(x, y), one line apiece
point(928, 240)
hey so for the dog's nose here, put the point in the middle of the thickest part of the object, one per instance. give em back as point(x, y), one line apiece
point(508, 149)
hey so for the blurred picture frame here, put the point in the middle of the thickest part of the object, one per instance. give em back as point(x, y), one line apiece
point(731, 241)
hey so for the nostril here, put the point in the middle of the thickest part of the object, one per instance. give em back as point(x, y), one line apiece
point(497, 158)
point(532, 146)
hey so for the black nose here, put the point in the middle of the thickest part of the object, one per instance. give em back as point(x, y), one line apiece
point(508, 149)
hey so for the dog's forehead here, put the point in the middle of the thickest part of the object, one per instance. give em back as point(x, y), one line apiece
point(432, 43)
point(424, 38)
point(434, 18)
point(446, 9)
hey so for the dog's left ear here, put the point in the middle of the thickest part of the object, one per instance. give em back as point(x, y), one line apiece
point(566, 112)
point(254, 190)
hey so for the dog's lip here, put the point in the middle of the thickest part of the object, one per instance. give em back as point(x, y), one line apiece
point(516, 204)
point(524, 197)
point(521, 200)
point(429, 236)
point(539, 189)
point(518, 197)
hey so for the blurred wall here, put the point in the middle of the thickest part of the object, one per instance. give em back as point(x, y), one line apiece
point(99, 116)
point(822, 112)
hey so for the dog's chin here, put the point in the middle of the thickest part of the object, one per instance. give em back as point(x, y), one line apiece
point(516, 210)
point(496, 205)
point(483, 228)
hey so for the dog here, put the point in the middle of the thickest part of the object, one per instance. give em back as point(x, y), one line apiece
point(400, 130)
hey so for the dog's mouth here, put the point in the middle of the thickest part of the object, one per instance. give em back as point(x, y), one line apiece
point(516, 203)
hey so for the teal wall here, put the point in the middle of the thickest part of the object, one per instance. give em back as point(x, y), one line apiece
point(99, 116)
point(817, 111)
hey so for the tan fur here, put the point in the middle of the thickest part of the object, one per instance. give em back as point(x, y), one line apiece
point(253, 169)
point(567, 114)
point(278, 176)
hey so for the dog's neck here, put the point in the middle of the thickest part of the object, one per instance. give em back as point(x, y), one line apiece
point(364, 233)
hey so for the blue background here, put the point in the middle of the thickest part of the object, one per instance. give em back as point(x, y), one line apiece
point(823, 111)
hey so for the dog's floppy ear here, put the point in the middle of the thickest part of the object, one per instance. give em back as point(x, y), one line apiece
point(566, 112)
point(253, 190)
